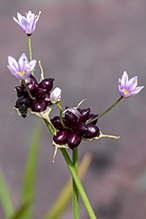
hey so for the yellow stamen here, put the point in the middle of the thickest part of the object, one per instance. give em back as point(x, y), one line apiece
point(27, 68)
point(126, 91)
point(134, 80)
point(20, 73)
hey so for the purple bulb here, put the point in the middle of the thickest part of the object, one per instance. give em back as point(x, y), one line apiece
point(47, 99)
point(39, 93)
point(61, 137)
point(92, 132)
point(29, 80)
point(47, 83)
point(57, 123)
point(84, 114)
point(81, 129)
point(73, 140)
point(19, 91)
point(90, 117)
point(71, 118)
point(38, 106)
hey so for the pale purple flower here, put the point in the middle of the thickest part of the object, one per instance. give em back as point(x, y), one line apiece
point(28, 23)
point(129, 88)
point(21, 69)
point(55, 96)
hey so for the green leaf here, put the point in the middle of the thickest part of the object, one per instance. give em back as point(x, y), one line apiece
point(5, 198)
point(21, 211)
point(28, 187)
point(64, 197)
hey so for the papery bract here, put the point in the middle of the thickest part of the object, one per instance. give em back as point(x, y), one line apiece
point(128, 88)
point(28, 23)
point(21, 69)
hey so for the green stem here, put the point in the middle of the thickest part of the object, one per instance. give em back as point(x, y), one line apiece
point(73, 171)
point(78, 184)
point(29, 46)
point(112, 106)
point(30, 51)
point(75, 189)
point(28, 91)
point(61, 115)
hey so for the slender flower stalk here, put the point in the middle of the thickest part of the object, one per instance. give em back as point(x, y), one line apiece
point(29, 47)
point(102, 114)
point(75, 176)
point(75, 189)
point(30, 50)
point(28, 91)
point(61, 115)
point(78, 184)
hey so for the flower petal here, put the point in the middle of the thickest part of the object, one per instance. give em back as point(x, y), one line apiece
point(32, 64)
point(23, 61)
point(13, 63)
point(124, 79)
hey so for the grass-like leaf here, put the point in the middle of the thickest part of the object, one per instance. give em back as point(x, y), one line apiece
point(5, 198)
point(28, 187)
point(64, 197)
point(21, 211)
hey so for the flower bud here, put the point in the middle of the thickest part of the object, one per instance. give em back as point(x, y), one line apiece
point(55, 96)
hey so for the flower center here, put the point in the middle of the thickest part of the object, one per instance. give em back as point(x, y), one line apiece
point(20, 73)
point(126, 91)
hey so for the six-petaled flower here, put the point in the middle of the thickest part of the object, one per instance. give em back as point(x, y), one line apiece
point(128, 88)
point(21, 69)
point(28, 23)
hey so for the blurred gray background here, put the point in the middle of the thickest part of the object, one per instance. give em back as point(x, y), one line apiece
point(85, 45)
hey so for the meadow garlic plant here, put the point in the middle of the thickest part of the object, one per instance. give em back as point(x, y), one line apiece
point(74, 124)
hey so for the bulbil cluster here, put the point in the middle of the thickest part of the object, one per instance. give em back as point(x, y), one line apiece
point(40, 93)
point(76, 126)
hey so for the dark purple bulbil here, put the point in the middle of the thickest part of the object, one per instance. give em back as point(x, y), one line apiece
point(75, 127)
point(40, 92)
point(47, 84)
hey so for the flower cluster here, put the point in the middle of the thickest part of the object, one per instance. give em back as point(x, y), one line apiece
point(76, 125)
point(40, 93)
